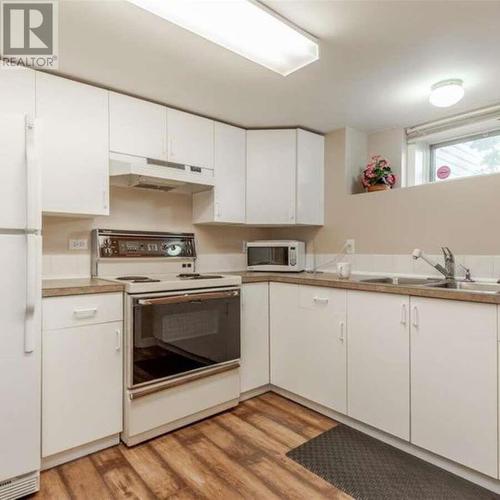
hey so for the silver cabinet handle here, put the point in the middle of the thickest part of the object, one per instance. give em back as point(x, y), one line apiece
point(118, 344)
point(342, 333)
point(415, 317)
point(403, 314)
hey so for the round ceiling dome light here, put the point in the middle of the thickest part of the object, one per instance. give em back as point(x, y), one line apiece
point(446, 93)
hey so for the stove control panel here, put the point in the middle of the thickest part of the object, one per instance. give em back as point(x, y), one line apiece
point(108, 244)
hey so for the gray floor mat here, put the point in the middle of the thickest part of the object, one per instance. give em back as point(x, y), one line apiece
point(368, 469)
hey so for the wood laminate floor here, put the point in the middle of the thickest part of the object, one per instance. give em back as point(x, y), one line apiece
point(236, 454)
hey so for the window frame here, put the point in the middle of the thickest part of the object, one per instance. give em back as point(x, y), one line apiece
point(466, 138)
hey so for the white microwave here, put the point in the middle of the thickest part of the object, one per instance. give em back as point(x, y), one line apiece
point(276, 255)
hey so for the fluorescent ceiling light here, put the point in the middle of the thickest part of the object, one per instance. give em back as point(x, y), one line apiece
point(446, 93)
point(244, 26)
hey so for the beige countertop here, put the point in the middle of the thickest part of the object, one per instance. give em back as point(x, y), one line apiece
point(78, 286)
point(331, 280)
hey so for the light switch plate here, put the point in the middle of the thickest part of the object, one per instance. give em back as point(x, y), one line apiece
point(78, 244)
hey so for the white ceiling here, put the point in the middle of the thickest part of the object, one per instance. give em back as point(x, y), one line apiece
point(378, 60)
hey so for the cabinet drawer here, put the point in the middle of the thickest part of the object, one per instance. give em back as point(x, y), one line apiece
point(324, 299)
point(77, 310)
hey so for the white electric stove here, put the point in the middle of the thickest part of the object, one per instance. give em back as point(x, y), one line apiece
point(179, 326)
point(173, 281)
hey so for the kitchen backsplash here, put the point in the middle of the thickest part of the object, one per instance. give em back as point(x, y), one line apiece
point(481, 266)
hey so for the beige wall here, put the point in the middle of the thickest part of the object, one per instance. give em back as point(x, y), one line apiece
point(462, 214)
point(146, 210)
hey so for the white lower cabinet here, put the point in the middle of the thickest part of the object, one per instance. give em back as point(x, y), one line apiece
point(81, 374)
point(379, 361)
point(454, 402)
point(254, 370)
point(308, 342)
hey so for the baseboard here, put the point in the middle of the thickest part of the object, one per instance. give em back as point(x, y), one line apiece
point(457, 469)
point(79, 451)
point(252, 393)
point(163, 429)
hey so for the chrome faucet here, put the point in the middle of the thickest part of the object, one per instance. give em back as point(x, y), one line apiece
point(448, 271)
point(449, 263)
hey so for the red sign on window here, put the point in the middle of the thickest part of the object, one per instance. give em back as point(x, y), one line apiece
point(443, 172)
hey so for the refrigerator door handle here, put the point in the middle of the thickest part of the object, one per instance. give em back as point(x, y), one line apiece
point(30, 326)
point(33, 190)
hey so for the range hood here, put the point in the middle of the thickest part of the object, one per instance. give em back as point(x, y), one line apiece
point(146, 173)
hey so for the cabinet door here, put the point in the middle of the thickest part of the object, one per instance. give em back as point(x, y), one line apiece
point(254, 370)
point(379, 361)
point(308, 342)
point(81, 385)
point(226, 202)
point(137, 127)
point(454, 381)
point(271, 176)
point(310, 178)
point(73, 145)
point(190, 139)
point(230, 163)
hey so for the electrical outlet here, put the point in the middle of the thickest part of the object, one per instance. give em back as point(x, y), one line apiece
point(78, 244)
point(350, 247)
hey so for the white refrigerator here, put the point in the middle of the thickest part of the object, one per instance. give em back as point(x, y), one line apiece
point(20, 304)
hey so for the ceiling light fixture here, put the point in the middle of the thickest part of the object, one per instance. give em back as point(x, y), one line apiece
point(244, 26)
point(446, 93)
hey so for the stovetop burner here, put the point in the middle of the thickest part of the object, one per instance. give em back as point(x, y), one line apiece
point(138, 279)
point(197, 276)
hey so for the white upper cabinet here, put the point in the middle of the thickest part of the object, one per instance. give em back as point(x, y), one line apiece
point(137, 127)
point(73, 146)
point(379, 361)
point(284, 177)
point(454, 380)
point(225, 203)
point(308, 334)
point(310, 178)
point(17, 91)
point(271, 176)
point(190, 139)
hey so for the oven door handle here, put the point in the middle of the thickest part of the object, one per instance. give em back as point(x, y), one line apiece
point(189, 297)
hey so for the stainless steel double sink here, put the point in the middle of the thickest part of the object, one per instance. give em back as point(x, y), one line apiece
point(466, 286)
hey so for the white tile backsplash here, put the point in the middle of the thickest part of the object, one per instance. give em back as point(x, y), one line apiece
point(480, 266)
point(484, 267)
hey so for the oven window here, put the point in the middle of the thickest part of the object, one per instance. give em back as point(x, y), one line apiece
point(268, 256)
point(177, 337)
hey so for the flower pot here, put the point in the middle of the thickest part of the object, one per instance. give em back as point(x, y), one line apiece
point(378, 187)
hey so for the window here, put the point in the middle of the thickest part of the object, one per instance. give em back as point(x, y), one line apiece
point(472, 155)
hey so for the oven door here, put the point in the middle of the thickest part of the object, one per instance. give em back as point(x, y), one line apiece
point(177, 334)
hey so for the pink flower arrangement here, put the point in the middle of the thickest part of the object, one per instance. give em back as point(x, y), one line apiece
point(378, 171)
